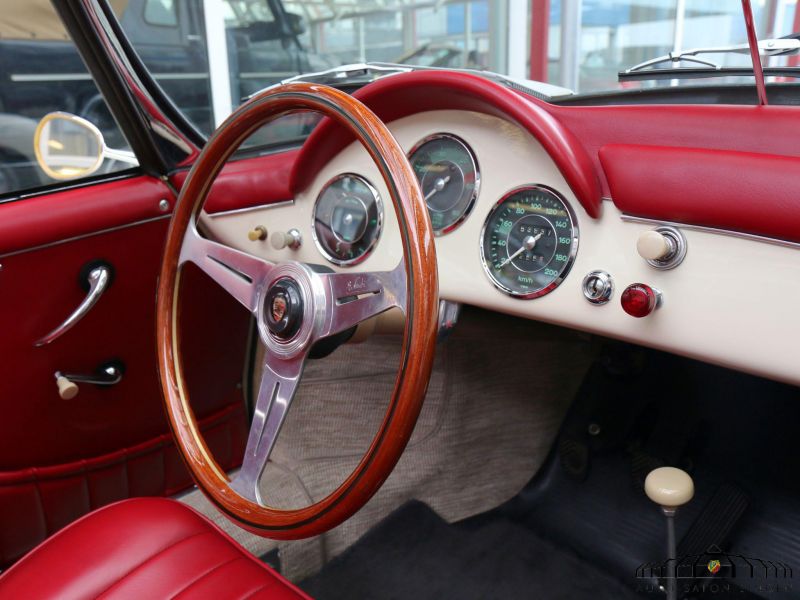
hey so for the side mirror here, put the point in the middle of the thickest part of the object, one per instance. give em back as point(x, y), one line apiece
point(67, 146)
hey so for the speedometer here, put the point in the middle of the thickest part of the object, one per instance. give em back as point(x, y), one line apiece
point(449, 178)
point(529, 242)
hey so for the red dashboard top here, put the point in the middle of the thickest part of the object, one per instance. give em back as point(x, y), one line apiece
point(398, 96)
point(710, 165)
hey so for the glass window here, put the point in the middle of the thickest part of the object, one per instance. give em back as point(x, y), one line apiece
point(580, 45)
point(608, 36)
point(42, 73)
point(263, 48)
point(161, 13)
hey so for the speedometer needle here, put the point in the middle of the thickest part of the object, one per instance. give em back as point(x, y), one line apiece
point(438, 186)
point(527, 244)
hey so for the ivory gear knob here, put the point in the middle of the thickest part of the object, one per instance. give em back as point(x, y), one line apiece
point(669, 487)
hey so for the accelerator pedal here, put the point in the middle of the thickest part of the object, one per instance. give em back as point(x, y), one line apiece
point(713, 526)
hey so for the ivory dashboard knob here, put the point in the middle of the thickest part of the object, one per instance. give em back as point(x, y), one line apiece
point(653, 245)
point(669, 487)
point(289, 239)
point(66, 388)
point(257, 234)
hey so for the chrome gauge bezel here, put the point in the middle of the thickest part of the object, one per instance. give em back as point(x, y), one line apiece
point(573, 249)
point(475, 167)
point(379, 205)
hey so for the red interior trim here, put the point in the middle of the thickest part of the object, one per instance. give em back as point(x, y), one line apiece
point(71, 213)
point(248, 182)
point(741, 191)
point(760, 129)
point(397, 96)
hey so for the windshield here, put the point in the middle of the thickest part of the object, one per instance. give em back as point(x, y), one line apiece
point(581, 46)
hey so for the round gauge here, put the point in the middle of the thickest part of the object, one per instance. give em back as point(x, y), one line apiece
point(529, 242)
point(449, 178)
point(347, 219)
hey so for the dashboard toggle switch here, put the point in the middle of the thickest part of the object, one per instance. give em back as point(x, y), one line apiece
point(663, 247)
point(598, 287)
point(640, 300)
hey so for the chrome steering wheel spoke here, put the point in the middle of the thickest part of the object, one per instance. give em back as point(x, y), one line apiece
point(242, 275)
point(279, 381)
point(352, 298)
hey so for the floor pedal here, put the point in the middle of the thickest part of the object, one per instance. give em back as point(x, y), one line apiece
point(712, 528)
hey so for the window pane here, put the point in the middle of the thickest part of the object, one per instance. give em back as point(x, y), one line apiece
point(43, 73)
point(161, 12)
point(610, 36)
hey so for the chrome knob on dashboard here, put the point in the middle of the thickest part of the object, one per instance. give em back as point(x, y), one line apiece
point(640, 300)
point(663, 247)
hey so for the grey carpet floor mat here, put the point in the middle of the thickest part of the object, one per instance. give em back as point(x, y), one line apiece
point(415, 554)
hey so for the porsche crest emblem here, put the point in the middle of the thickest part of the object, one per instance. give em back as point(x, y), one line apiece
point(279, 307)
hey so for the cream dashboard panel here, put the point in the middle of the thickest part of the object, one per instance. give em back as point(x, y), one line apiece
point(731, 302)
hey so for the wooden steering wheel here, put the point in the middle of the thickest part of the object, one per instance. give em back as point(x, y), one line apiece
point(295, 305)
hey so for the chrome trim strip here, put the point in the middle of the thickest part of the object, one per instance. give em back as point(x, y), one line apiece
point(84, 235)
point(713, 230)
point(238, 211)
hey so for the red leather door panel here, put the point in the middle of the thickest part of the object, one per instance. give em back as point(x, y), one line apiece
point(61, 458)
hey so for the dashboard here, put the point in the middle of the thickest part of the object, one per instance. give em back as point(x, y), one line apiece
point(512, 236)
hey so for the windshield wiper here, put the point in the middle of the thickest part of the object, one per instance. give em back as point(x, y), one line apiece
point(772, 47)
point(704, 73)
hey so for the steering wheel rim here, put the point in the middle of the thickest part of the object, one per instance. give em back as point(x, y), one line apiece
point(421, 307)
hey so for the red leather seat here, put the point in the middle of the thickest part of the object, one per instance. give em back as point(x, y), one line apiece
point(143, 548)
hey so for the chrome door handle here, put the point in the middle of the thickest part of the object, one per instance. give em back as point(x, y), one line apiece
point(98, 280)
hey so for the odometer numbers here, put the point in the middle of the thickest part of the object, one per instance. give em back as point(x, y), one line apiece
point(529, 242)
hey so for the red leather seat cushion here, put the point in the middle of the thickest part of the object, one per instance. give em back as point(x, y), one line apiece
point(143, 548)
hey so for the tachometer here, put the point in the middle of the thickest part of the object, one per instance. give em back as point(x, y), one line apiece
point(348, 216)
point(448, 175)
point(529, 242)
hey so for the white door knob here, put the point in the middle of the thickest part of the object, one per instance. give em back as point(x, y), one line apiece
point(669, 487)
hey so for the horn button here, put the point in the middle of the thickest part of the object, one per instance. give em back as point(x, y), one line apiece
point(283, 308)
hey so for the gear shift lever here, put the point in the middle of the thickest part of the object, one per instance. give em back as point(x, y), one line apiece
point(670, 488)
